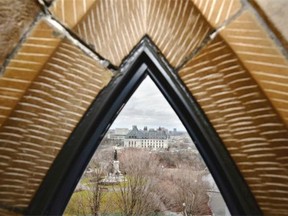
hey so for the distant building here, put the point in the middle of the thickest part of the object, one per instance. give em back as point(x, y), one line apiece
point(118, 133)
point(155, 139)
point(116, 136)
point(176, 133)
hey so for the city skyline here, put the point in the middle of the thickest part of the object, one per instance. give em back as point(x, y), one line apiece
point(148, 107)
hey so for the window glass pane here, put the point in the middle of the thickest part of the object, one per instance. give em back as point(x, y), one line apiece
point(147, 164)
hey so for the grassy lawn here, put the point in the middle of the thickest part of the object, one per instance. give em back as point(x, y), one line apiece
point(79, 203)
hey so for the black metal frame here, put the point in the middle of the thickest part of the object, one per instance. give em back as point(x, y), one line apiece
point(64, 174)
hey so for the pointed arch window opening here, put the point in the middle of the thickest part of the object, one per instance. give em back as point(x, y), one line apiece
point(200, 180)
point(64, 174)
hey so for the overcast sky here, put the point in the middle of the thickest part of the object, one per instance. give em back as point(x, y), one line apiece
point(148, 107)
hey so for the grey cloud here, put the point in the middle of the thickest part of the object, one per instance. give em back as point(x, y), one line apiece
point(148, 107)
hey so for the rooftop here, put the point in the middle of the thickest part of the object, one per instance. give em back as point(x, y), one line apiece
point(135, 133)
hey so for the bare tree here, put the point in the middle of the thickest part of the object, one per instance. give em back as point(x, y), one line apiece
point(94, 200)
point(136, 195)
point(77, 205)
point(192, 192)
point(183, 190)
point(149, 186)
point(87, 200)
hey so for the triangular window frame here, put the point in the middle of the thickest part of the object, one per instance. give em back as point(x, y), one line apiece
point(68, 167)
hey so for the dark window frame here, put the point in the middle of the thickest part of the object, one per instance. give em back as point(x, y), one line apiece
point(65, 172)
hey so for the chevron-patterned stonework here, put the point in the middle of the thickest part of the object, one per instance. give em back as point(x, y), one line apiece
point(25, 66)
point(180, 27)
point(253, 133)
point(226, 58)
point(54, 84)
point(262, 58)
point(217, 12)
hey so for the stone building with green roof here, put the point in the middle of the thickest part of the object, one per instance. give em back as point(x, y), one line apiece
point(154, 139)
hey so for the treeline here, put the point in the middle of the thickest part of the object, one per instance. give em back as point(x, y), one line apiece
point(155, 182)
